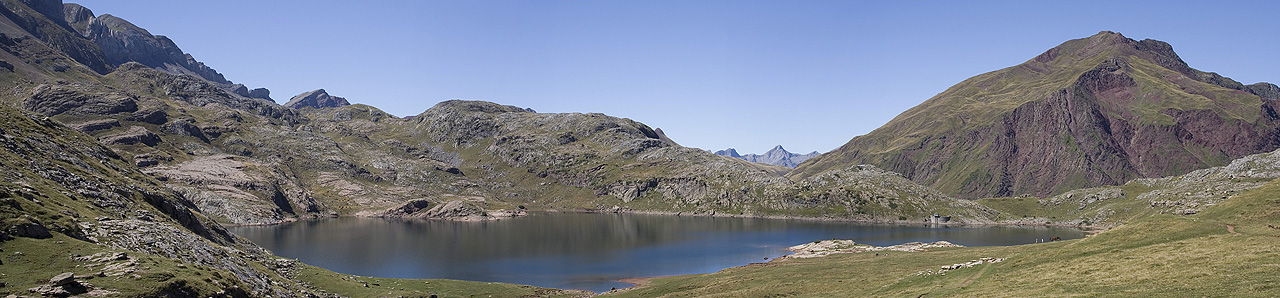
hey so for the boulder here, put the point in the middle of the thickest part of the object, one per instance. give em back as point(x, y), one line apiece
point(63, 279)
point(31, 230)
point(151, 115)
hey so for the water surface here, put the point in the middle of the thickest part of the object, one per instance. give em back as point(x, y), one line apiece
point(584, 251)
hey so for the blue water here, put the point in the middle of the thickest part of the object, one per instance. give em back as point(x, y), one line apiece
point(584, 251)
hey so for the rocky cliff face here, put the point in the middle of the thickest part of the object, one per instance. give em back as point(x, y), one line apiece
point(316, 99)
point(1095, 111)
point(122, 42)
point(776, 156)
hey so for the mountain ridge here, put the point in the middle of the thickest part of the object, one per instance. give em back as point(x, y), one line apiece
point(1095, 111)
point(777, 156)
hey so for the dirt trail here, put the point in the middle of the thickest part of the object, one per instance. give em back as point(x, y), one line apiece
point(975, 276)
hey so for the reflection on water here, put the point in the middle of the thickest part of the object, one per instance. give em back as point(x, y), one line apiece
point(583, 251)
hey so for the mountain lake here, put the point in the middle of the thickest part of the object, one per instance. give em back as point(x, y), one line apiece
point(586, 251)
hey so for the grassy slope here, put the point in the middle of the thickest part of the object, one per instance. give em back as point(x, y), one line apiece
point(360, 286)
point(1160, 255)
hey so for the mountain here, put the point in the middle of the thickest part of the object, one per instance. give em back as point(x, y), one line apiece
point(1095, 111)
point(316, 99)
point(728, 152)
point(243, 159)
point(1217, 224)
point(776, 156)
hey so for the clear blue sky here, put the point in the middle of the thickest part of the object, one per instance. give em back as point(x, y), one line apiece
point(808, 75)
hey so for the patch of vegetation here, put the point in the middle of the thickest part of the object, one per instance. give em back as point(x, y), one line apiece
point(1228, 250)
point(361, 286)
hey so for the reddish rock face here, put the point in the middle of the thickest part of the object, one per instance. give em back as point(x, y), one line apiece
point(1141, 112)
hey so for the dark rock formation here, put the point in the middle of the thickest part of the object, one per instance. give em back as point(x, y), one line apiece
point(316, 99)
point(44, 20)
point(122, 42)
point(262, 93)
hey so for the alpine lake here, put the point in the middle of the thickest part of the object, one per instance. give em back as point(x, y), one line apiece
point(586, 251)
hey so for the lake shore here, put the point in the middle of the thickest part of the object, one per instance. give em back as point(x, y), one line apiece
point(1088, 229)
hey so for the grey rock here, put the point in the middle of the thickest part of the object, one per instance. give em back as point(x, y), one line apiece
point(262, 93)
point(454, 209)
point(57, 99)
point(66, 278)
point(134, 135)
point(122, 42)
point(184, 127)
point(97, 125)
point(150, 115)
point(316, 99)
point(239, 89)
point(77, 16)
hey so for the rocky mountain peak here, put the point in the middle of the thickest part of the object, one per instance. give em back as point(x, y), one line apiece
point(777, 156)
point(728, 152)
point(75, 14)
point(316, 99)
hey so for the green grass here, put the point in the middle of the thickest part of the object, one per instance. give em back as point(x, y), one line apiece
point(361, 286)
point(1155, 256)
point(28, 263)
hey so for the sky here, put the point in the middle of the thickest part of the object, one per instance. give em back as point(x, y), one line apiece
point(807, 75)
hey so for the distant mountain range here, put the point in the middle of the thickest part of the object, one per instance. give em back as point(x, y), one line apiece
point(776, 156)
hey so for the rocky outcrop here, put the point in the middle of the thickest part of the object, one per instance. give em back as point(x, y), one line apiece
point(57, 99)
point(464, 209)
point(104, 42)
point(828, 247)
point(132, 135)
point(44, 20)
point(242, 90)
point(62, 186)
point(262, 93)
point(1096, 111)
point(316, 99)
